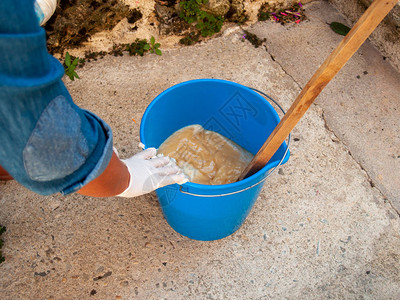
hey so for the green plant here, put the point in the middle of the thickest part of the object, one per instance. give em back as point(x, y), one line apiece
point(2, 230)
point(70, 67)
point(206, 23)
point(117, 50)
point(140, 47)
point(153, 46)
point(137, 48)
point(190, 9)
point(190, 39)
point(339, 28)
point(209, 24)
point(253, 39)
point(263, 16)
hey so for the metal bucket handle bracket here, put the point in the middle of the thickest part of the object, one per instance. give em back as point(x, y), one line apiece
point(269, 173)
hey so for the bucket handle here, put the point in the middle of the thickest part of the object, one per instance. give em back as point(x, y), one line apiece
point(269, 173)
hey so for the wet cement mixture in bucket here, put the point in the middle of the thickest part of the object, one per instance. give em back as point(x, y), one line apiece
point(206, 156)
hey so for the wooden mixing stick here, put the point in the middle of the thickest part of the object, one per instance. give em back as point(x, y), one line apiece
point(336, 60)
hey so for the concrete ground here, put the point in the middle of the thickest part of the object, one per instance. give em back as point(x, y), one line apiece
point(324, 227)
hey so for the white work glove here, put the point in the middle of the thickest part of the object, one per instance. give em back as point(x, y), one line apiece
point(45, 9)
point(149, 172)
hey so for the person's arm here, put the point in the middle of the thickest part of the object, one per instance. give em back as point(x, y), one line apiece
point(48, 143)
point(140, 174)
point(4, 175)
point(113, 181)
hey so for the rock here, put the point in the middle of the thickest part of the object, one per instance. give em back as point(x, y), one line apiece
point(134, 16)
point(54, 204)
point(217, 7)
point(236, 11)
point(169, 21)
point(124, 283)
point(109, 273)
point(164, 13)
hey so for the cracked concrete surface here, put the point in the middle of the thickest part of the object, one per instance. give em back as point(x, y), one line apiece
point(318, 230)
point(361, 105)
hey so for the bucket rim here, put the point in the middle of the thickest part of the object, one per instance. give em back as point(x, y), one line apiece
point(212, 189)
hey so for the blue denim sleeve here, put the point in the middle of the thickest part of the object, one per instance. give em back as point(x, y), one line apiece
point(47, 143)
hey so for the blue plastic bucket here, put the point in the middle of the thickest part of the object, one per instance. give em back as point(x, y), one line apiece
point(211, 212)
